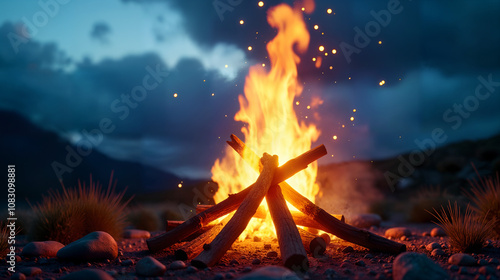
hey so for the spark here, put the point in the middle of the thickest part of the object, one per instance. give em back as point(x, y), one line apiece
point(349, 78)
point(314, 59)
point(308, 107)
point(261, 4)
point(326, 54)
point(381, 83)
point(334, 137)
point(175, 95)
point(354, 110)
point(303, 9)
point(343, 126)
point(352, 119)
point(213, 94)
point(179, 185)
point(241, 21)
point(331, 67)
point(329, 11)
point(334, 51)
point(226, 66)
point(321, 48)
point(263, 65)
point(297, 103)
point(249, 48)
point(380, 42)
point(316, 27)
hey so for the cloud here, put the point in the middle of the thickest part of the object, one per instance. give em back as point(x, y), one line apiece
point(100, 32)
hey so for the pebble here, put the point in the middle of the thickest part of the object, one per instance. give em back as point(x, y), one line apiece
point(176, 265)
point(486, 270)
point(191, 269)
point(256, 261)
point(365, 220)
point(230, 275)
point(425, 233)
point(462, 259)
point(368, 256)
point(257, 239)
point(272, 254)
point(149, 267)
point(463, 270)
point(482, 262)
point(94, 274)
point(30, 271)
point(267, 246)
point(438, 232)
point(136, 233)
point(270, 273)
point(234, 262)
point(128, 262)
point(247, 269)
point(360, 263)
point(18, 276)
point(411, 265)
point(348, 249)
point(397, 232)
point(493, 261)
point(41, 249)
point(431, 246)
point(453, 267)
point(437, 252)
point(218, 276)
point(95, 246)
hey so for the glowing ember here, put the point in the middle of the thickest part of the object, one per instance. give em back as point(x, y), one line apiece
point(381, 83)
point(249, 48)
point(334, 51)
point(261, 3)
point(334, 137)
point(316, 27)
point(175, 94)
point(329, 11)
point(321, 48)
point(270, 122)
point(242, 22)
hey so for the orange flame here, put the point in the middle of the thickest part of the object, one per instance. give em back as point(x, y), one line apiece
point(270, 122)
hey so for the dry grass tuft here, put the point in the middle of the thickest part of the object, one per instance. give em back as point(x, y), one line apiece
point(467, 232)
point(71, 214)
point(485, 194)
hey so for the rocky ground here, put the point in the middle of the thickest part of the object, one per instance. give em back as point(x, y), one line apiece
point(254, 259)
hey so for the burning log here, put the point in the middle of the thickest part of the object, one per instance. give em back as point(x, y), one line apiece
point(194, 247)
point(314, 245)
point(173, 224)
point(239, 221)
point(293, 254)
point(330, 224)
point(231, 203)
point(299, 218)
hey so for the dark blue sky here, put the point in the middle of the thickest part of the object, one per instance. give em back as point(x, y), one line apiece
point(68, 66)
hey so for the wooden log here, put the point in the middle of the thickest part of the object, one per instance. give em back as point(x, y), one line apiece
point(239, 221)
point(314, 245)
point(330, 224)
point(299, 218)
point(230, 204)
point(292, 250)
point(173, 224)
point(191, 249)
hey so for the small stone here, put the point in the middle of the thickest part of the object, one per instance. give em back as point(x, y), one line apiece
point(437, 252)
point(136, 233)
point(257, 239)
point(218, 276)
point(267, 246)
point(94, 274)
point(431, 246)
point(437, 232)
point(191, 269)
point(329, 271)
point(403, 238)
point(486, 270)
point(112, 272)
point(256, 261)
point(482, 262)
point(360, 263)
point(272, 254)
point(368, 256)
point(444, 246)
point(149, 267)
point(365, 220)
point(453, 267)
point(463, 270)
point(229, 275)
point(345, 265)
point(177, 265)
point(247, 269)
point(18, 276)
point(461, 259)
point(348, 249)
point(412, 265)
point(372, 273)
point(397, 232)
point(326, 237)
point(95, 246)
point(347, 271)
point(128, 262)
point(270, 273)
point(41, 249)
point(234, 262)
point(30, 271)
point(425, 233)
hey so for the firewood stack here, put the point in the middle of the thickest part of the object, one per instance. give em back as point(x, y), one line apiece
point(208, 248)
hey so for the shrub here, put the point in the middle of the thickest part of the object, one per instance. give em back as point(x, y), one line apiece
point(143, 218)
point(485, 194)
point(71, 214)
point(467, 232)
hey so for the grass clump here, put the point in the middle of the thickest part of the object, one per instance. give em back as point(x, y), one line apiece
point(485, 194)
point(426, 199)
point(71, 214)
point(467, 231)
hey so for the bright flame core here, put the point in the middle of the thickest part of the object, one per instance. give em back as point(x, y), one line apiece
point(270, 122)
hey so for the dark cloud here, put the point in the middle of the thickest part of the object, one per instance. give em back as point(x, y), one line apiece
point(100, 32)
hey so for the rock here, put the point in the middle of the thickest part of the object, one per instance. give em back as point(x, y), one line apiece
point(257, 239)
point(486, 270)
point(256, 261)
point(271, 273)
point(368, 256)
point(453, 267)
point(437, 252)
point(267, 246)
point(30, 271)
point(191, 269)
point(247, 269)
point(425, 233)
point(234, 262)
point(431, 246)
point(128, 262)
point(411, 265)
point(230, 275)
point(462, 260)
point(365, 220)
point(272, 254)
point(176, 265)
point(94, 274)
point(95, 246)
point(463, 270)
point(41, 249)
point(437, 232)
point(493, 261)
point(18, 276)
point(397, 232)
point(360, 263)
point(482, 262)
point(149, 267)
point(136, 233)
point(348, 249)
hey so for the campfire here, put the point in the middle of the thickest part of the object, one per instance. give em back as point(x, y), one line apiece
point(271, 125)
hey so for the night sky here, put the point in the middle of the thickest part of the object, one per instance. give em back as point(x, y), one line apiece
point(68, 67)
